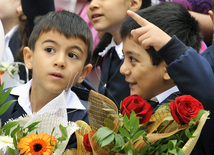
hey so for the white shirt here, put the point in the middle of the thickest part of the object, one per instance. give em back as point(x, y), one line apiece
point(162, 96)
point(118, 49)
point(72, 101)
point(8, 55)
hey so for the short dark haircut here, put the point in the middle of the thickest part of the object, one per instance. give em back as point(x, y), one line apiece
point(172, 18)
point(66, 23)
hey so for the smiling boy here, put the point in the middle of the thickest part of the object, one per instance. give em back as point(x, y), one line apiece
point(144, 70)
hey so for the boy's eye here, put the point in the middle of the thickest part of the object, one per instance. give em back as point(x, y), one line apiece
point(50, 50)
point(133, 59)
point(72, 55)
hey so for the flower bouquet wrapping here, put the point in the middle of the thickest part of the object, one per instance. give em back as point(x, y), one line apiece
point(46, 132)
point(173, 129)
point(9, 74)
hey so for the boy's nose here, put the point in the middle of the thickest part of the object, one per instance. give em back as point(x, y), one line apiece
point(60, 61)
point(124, 69)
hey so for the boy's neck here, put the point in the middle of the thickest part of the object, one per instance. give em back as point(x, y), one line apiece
point(39, 98)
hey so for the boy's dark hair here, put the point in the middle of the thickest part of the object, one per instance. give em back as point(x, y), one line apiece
point(65, 22)
point(172, 18)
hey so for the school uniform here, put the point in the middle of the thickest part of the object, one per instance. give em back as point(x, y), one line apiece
point(76, 106)
point(11, 46)
point(193, 75)
point(164, 97)
point(113, 84)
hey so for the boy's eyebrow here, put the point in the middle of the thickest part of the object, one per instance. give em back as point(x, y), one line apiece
point(131, 53)
point(75, 46)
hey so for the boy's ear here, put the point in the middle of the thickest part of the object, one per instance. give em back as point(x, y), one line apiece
point(135, 5)
point(19, 7)
point(86, 70)
point(166, 76)
point(28, 57)
point(211, 15)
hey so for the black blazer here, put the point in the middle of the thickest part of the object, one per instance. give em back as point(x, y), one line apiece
point(113, 84)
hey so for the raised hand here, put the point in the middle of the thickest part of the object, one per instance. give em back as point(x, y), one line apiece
point(148, 34)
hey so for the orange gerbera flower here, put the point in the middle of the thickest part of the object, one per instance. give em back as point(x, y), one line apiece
point(34, 144)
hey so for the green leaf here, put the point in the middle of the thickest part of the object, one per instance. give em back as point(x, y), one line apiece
point(15, 143)
point(144, 150)
point(200, 113)
point(11, 151)
point(130, 152)
point(32, 127)
point(124, 133)
point(5, 107)
point(188, 133)
point(164, 147)
point(127, 147)
point(138, 134)
point(134, 123)
point(8, 126)
point(15, 131)
point(102, 133)
point(63, 132)
point(126, 122)
point(180, 152)
point(107, 140)
point(173, 151)
point(172, 144)
point(135, 152)
point(1, 87)
point(5, 95)
point(119, 141)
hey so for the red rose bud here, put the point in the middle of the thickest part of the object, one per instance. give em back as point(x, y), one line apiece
point(184, 108)
point(86, 143)
point(136, 103)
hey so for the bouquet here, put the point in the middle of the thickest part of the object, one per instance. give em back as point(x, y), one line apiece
point(46, 132)
point(9, 74)
point(173, 129)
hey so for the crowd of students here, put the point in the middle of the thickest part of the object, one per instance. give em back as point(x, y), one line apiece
point(154, 50)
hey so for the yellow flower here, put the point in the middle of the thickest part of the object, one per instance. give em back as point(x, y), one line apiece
point(34, 144)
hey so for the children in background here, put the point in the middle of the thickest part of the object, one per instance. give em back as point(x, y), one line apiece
point(144, 69)
point(107, 17)
point(192, 73)
point(59, 51)
point(10, 11)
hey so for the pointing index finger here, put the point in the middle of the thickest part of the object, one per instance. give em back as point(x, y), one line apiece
point(141, 21)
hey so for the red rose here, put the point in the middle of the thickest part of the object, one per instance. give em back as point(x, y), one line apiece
point(184, 108)
point(137, 104)
point(86, 141)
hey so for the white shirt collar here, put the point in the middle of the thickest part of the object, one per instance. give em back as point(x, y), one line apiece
point(72, 101)
point(8, 56)
point(118, 49)
point(162, 96)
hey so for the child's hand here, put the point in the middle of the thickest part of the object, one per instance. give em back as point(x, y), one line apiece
point(149, 34)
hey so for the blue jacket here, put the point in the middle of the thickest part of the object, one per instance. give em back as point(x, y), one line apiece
point(193, 75)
